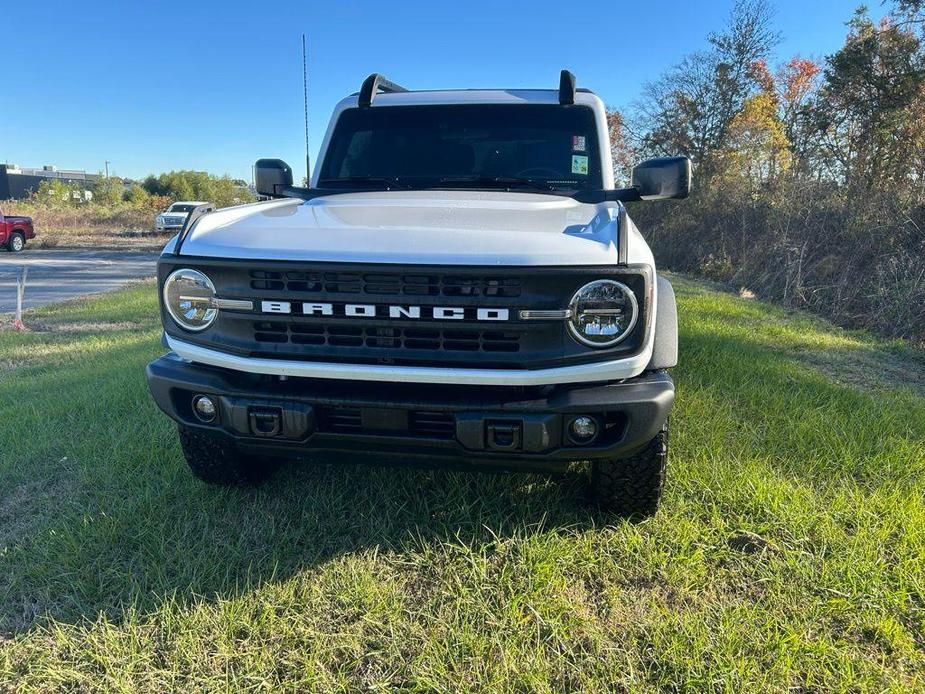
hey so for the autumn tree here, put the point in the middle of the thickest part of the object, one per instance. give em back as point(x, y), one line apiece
point(871, 105)
point(911, 12)
point(742, 51)
point(621, 152)
point(797, 84)
point(690, 108)
point(757, 147)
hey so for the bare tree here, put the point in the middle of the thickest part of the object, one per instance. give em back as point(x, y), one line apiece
point(688, 110)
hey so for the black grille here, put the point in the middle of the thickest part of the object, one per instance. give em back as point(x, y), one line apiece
point(424, 340)
point(420, 423)
point(381, 284)
point(386, 338)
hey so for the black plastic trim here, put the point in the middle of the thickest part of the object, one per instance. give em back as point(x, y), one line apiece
point(372, 85)
point(644, 402)
point(665, 347)
point(623, 236)
point(191, 219)
point(566, 88)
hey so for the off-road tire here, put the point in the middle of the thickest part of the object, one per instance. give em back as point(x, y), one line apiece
point(16, 242)
point(215, 459)
point(632, 486)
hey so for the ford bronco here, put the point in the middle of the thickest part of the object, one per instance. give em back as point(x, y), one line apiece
point(459, 283)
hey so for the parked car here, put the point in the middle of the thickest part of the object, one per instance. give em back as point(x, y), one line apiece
point(174, 216)
point(15, 231)
point(460, 283)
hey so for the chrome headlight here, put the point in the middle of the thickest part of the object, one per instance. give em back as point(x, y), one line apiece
point(188, 296)
point(603, 313)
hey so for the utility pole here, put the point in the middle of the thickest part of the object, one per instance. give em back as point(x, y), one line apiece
point(107, 169)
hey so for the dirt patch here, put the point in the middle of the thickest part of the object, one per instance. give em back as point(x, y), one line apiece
point(750, 543)
point(81, 327)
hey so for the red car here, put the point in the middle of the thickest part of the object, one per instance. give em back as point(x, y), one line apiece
point(15, 231)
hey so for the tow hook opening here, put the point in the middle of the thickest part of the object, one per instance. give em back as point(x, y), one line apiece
point(265, 421)
point(505, 436)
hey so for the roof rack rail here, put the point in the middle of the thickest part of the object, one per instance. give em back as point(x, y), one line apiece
point(373, 85)
point(566, 87)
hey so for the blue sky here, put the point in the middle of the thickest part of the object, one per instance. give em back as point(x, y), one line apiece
point(155, 86)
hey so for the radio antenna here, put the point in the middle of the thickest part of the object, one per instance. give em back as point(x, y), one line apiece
point(308, 168)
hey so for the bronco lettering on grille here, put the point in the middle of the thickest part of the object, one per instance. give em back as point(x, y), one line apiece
point(306, 308)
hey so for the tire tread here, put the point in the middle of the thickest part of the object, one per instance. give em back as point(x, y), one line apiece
point(216, 460)
point(632, 486)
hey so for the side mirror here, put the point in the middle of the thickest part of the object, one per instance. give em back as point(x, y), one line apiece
point(270, 175)
point(664, 178)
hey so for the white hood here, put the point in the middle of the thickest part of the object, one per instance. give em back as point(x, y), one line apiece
point(414, 227)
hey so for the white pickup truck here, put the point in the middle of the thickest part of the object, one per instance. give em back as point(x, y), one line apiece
point(460, 282)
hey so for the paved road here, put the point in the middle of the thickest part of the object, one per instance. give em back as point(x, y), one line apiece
point(56, 275)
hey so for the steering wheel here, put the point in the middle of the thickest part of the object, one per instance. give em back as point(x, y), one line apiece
point(539, 171)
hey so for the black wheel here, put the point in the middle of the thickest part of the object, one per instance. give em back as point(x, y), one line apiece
point(16, 243)
point(215, 459)
point(632, 486)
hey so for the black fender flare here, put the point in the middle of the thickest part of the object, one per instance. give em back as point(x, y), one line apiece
point(665, 348)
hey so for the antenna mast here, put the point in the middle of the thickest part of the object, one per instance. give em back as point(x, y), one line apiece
point(308, 168)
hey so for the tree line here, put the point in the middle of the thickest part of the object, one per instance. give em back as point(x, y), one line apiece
point(154, 191)
point(810, 176)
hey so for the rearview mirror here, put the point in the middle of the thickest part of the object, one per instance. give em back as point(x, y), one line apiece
point(664, 178)
point(270, 176)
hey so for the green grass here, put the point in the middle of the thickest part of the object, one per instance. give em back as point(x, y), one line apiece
point(120, 572)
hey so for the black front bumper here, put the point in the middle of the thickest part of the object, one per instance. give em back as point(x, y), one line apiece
point(517, 428)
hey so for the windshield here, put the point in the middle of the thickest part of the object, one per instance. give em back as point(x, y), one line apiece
point(181, 208)
point(524, 146)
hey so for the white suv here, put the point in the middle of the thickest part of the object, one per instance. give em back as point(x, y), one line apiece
point(461, 283)
point(175, 216)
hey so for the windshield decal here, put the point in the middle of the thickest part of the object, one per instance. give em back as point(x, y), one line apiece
point(578, 143)
point(579, 164)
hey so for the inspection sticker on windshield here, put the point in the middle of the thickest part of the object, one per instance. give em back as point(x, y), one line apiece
point(579, 164)
point(578, 143)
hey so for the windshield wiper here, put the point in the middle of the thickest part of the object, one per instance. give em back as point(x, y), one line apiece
point(501, 181)
point(388, 181)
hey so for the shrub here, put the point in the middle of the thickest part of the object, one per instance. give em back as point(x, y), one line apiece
point(198, 185)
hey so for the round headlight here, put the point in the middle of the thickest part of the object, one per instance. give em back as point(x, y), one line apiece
point(188, 297)
point(603, 313)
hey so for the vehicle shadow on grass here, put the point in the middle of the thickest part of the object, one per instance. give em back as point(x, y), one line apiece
point(124, 540)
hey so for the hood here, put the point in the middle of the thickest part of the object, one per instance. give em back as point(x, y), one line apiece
point(415, 227)
point(173, 214)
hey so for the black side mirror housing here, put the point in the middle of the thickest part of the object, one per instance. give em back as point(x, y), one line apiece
point(664, 178)
point(271, 176)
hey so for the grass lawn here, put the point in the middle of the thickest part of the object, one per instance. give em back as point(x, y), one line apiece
point(789, 552)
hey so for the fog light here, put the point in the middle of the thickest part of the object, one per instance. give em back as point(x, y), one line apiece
point(204, 407)
point(582, 429)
